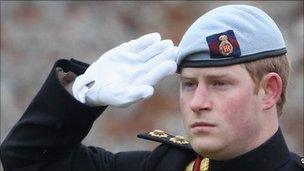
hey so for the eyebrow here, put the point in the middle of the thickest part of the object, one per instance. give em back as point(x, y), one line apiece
point(211, 76)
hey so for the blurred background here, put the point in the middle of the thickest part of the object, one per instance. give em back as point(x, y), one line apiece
point(36, 34)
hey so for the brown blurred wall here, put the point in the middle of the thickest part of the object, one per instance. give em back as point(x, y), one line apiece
point(35, 34)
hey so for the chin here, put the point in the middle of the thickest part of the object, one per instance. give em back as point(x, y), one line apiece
point(206, 146)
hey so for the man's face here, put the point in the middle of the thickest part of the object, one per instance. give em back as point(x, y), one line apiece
point(220, 111)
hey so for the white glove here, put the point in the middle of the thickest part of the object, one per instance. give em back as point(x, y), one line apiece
point(125, 74)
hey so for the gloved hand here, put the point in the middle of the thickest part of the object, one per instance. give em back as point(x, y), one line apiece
point(126, 74)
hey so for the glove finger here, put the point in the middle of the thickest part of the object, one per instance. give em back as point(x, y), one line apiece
point(169, 55)
point(143, 42)
point(121, 96)
point(139, 92)
point(159, 72)
point(136, 94)
point(155, 49)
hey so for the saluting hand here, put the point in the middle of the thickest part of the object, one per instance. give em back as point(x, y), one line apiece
point(126, 74)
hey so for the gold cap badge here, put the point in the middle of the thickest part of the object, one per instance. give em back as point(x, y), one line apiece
point(225, 46)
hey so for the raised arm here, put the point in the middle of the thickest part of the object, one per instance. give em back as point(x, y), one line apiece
point(48, 136)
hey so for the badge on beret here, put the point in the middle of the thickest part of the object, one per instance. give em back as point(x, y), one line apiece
point(223, 45)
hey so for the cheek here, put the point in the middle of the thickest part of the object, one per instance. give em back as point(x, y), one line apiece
point(239, 113)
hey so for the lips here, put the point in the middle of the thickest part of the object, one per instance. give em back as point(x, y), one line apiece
point(201, 124)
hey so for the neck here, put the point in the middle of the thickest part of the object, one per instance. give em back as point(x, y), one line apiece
point(268, 127)
point(270, 155)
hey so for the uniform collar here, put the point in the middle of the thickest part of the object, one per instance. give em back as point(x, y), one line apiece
point(269, 156)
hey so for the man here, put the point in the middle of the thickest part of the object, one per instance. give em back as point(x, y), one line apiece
point(234, 74)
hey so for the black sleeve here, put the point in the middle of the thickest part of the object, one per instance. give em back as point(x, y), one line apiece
point(48, 135)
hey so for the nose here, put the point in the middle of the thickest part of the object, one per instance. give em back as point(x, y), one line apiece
point(201, 100)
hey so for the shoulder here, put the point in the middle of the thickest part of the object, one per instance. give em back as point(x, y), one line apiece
point(175, 141)
point(173, 149)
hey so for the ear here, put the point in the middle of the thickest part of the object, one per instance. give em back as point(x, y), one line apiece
point(272, 85)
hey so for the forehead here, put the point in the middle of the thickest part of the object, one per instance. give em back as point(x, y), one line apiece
point(233, 70)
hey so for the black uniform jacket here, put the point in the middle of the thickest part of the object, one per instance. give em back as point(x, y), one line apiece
point(48, 137)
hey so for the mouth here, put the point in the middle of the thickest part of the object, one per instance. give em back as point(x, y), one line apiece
point(201, 126)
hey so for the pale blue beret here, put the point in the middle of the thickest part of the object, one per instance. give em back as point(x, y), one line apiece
point(230, 35)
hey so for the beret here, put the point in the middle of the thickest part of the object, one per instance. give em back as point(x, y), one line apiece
point(228, 35)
